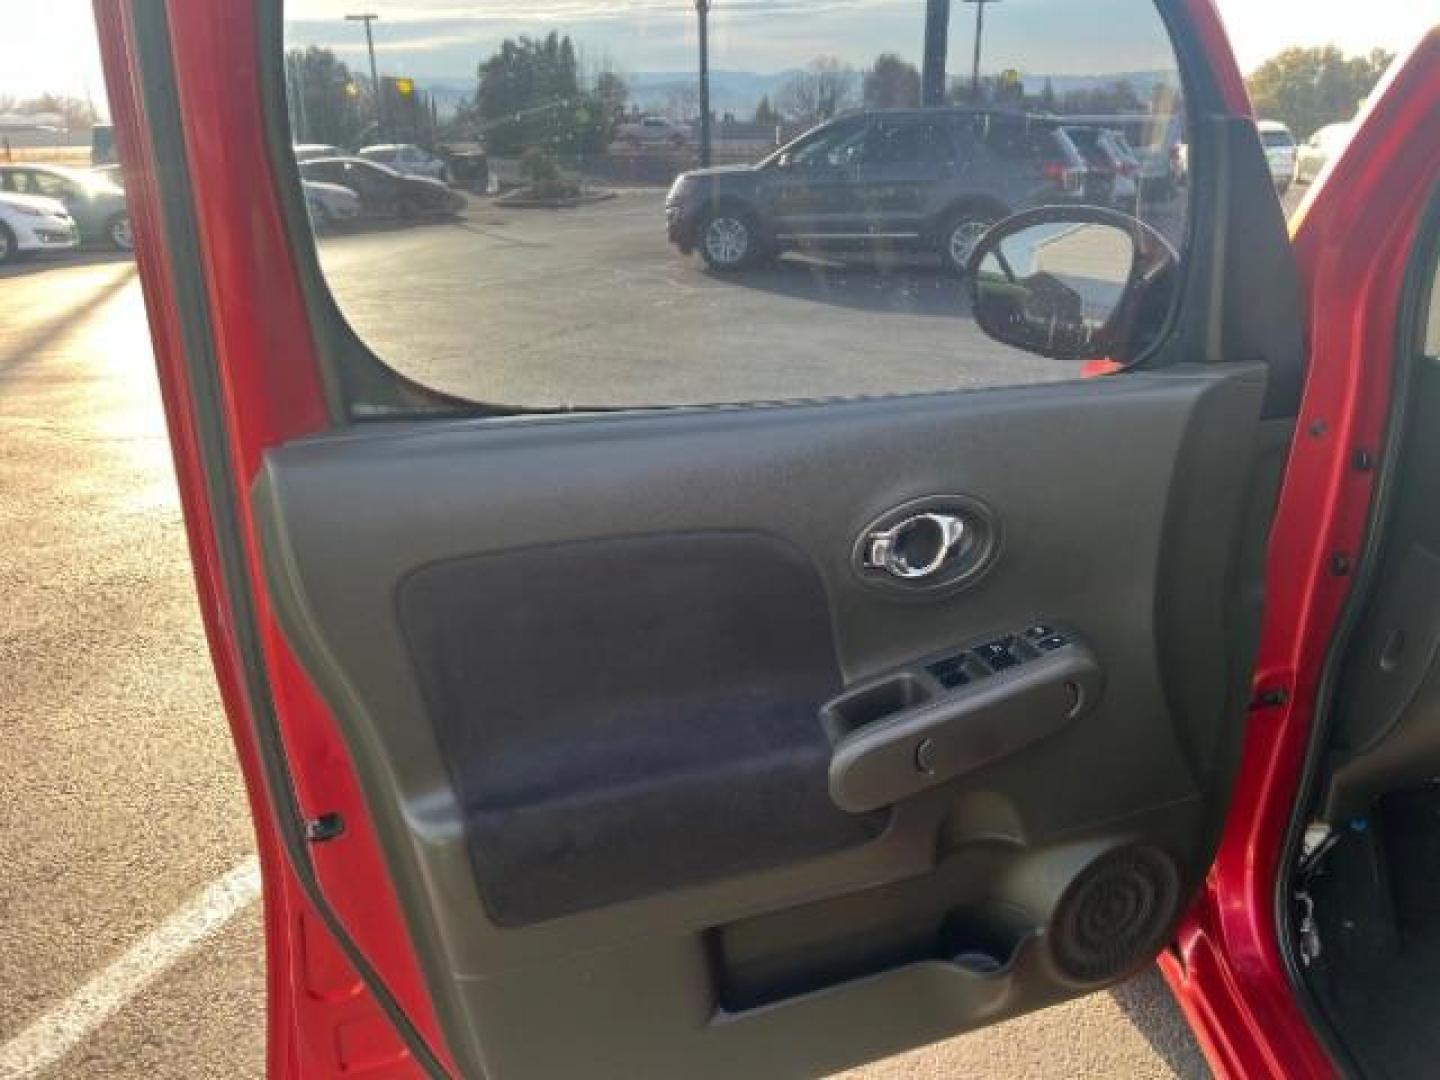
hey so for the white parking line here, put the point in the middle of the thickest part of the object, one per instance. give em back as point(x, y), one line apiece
point(61, 1029)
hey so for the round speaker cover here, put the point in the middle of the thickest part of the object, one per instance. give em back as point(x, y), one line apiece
point(1115, 914)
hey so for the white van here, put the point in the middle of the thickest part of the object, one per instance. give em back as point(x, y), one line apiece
point(1280, 152)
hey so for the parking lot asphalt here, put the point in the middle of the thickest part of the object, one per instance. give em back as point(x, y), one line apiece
point(592, 306)
point(119, 798)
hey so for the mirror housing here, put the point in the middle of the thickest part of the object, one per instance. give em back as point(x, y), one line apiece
point(1073, 283)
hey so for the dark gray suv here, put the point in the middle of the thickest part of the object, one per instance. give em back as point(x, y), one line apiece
point(922, 179)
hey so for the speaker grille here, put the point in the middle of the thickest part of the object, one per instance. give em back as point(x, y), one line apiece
point(1114, 915)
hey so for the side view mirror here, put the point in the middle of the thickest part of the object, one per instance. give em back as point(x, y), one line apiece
point(1073, 283)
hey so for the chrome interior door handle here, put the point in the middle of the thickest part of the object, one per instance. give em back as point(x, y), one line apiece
point(917, 548)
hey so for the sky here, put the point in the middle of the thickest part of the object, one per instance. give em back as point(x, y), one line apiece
point(447, 37)
point(50, 44)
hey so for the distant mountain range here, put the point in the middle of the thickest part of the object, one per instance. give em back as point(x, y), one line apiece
point(448, 93)
point(739, 92)
point(730, 91)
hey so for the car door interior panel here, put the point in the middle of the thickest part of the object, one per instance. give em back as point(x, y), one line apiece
point(597, 726)
point(677, 766)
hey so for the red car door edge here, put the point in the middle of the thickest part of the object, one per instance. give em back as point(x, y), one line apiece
point(324, 1018)
point(1353, 239)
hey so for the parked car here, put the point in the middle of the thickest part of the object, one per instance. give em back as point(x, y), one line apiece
point(34, 223)
point(1127, 185)
point(113, 174)
point(407, 158)
point(96, 204)
point(1280, 153)
point(1114, 169)
point(650, 132)
point(1318, 151)
point(383, 192)
point(311, 151)
point(469, 167)
point(330, 204)
point(931, 179)
point(1156, 142)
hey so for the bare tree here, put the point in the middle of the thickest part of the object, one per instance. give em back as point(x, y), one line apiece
point(76, 114)
point(826, 86)
point(682, 102)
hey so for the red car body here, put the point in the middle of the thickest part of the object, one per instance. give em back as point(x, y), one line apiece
point(1351, 237)
point(1225, 968)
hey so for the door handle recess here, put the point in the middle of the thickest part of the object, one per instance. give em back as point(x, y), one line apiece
point(917, 548)
point(928, 547)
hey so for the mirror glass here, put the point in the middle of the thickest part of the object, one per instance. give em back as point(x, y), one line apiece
point(1055, 288)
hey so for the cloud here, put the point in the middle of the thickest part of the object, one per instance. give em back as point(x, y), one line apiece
point(443, 38)
point(421, 44)
point(472, 11)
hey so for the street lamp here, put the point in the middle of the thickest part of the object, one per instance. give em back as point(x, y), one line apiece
point(979, 35)
point(380, 109)
point(937, 43)
point(702, 13)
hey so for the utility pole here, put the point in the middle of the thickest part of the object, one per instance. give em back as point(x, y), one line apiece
point(296, 68)
point(937, 43)
point(702, 13)
point(979, 36)
point(380, 109)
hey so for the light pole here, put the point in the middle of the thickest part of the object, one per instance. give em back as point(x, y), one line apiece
point(295, 68)
point(702, 13)
point(380, 109)
point(979, 35)
point(937, 42)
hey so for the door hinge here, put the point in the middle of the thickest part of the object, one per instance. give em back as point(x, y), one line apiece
point(323, 828)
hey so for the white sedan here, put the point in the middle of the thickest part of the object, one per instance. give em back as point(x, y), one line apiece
point(1325, 145)
point(330, 204)
point(652, 131)
point(407, 158)
point(34, 223)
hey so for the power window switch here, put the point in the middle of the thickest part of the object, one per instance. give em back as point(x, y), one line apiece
point(997, 655)
point(950, 673)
